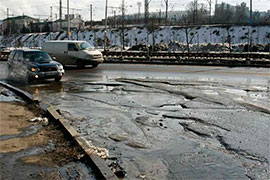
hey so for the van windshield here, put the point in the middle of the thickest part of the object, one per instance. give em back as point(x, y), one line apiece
point(37, 56)
point(86, 46)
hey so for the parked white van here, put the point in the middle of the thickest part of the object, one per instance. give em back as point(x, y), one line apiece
point(71, 52)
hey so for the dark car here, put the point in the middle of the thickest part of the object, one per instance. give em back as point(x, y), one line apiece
point(34, 65)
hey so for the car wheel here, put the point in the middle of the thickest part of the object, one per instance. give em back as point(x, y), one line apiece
point(80, 64)
point(57, 79)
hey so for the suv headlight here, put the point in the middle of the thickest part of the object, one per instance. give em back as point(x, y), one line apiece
point(35, 69)
point(60, 67)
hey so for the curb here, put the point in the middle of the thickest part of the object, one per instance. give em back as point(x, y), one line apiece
point(25, 95)
point(99, 164)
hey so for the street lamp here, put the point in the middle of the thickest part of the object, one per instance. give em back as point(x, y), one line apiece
point(69, 33)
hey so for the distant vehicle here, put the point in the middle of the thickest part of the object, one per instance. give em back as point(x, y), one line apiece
point(34, 65)
point(78, 53)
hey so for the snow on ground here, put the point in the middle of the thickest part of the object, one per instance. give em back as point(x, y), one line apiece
point(133, 36)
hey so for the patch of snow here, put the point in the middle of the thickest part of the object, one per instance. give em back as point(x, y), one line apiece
point(134, 36)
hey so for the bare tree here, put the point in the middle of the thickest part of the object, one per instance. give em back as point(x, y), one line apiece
point(196, 13)
point(189, 36)
point(152, 27)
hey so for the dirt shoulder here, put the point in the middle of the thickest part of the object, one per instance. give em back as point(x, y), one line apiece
point(40, 150)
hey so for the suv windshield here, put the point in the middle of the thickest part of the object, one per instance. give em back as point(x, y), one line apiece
point(37, 56)
point(86, 46)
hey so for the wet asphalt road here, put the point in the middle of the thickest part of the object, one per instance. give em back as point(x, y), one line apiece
point(170, 122)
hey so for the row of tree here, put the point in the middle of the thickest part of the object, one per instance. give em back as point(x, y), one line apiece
point(198, 14)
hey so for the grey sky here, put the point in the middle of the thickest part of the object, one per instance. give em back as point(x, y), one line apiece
point(41, 7)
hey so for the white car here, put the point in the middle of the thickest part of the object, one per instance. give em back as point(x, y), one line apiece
point(71, 52)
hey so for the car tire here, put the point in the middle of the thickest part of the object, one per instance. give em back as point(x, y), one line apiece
point(80, 64)
point(57, 79)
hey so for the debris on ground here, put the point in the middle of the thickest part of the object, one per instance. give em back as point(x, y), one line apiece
point(101, 152)
point(44, 120)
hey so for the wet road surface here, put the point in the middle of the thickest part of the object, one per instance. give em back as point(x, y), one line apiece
point(171, 122)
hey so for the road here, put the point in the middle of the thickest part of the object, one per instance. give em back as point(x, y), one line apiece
point(170, 122)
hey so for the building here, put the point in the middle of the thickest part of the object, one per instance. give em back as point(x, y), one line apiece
point(76, 23)
point(27, 24)
point(240, 13)
point(225, 13)
point(18, 24)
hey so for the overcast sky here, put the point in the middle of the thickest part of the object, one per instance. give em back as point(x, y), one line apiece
point(42, 7)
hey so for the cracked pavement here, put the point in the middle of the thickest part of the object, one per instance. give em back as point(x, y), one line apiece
point(172, 123)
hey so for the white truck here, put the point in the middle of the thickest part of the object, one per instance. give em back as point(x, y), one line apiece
point(71, 52)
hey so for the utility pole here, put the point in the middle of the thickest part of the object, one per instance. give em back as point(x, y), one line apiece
point(60, 14)
point(106, 23)
point(114, 18)
point(250, 33)
point(139, 11)
point(166, 13)
point(215, 19)
point(51, 14)
point(91, 15)
point(69, 33)
point(210, 10)
point(146, 11)
point(123, 24)
point(195, 13)
point(8, 25)
point(159, 18)
point(251, 18)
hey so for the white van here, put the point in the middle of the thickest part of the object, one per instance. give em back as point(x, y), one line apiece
point(71, 52)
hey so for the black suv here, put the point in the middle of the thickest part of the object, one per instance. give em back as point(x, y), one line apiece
point(34, 65)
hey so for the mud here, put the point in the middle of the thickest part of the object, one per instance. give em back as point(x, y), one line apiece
point(13, 118)
point(35, 150)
